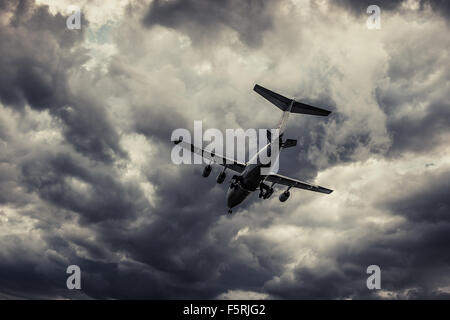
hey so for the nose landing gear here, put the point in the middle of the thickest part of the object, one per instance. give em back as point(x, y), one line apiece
point(235, 180)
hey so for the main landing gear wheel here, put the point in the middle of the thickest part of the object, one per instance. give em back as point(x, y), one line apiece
point(265, 191)
point(230, 211)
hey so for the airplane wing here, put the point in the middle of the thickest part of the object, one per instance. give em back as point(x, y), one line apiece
point(278, 178)
point(217, 158)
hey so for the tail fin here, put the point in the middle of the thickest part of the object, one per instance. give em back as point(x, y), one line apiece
point(285, 103)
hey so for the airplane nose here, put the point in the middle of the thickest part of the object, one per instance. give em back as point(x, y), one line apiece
point(230, 198)
point(235, 196)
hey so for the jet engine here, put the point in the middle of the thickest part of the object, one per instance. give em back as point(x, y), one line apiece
point(284, 196)
point(221, 177)
point(207, 171)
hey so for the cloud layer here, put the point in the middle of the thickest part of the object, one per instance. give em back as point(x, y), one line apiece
point(85, 171)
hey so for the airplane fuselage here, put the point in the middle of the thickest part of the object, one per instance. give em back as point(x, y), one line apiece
point(248, 181)
point(263, 167)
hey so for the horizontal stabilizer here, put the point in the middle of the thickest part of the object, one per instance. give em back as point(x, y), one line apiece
point(283, 103)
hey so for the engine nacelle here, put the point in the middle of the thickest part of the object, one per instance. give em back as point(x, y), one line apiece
point(284, 196)
point(221, 177)
point(207, 171)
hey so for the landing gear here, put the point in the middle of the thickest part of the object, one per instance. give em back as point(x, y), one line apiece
point(235, 181)
point(230, 211)
point(266, 194)
point(265, 191)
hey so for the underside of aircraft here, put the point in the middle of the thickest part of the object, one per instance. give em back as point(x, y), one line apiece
point(249, 175)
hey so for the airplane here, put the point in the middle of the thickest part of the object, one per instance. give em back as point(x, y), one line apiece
point(249, 177)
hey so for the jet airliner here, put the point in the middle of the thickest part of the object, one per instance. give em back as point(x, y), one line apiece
point(250, 177)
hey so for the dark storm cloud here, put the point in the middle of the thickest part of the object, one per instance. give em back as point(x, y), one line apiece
point(413, 259)
point(29, 274)
point(309, 283)
point(156, 121)
point(112, 201)
point(423, 134)
point(430, 202)
point(87, 128)
point(22, 275)
point(417, 109)
point(175, 255)
point(181, 225)
point(33, 63)
point(180, 244)
point(417, 131)
point(37, 54)
point(203, 19)
point(359, 7)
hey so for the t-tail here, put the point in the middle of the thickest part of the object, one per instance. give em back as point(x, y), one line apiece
point(288, 106)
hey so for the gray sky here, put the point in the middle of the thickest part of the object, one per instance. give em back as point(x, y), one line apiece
point(86, 176)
